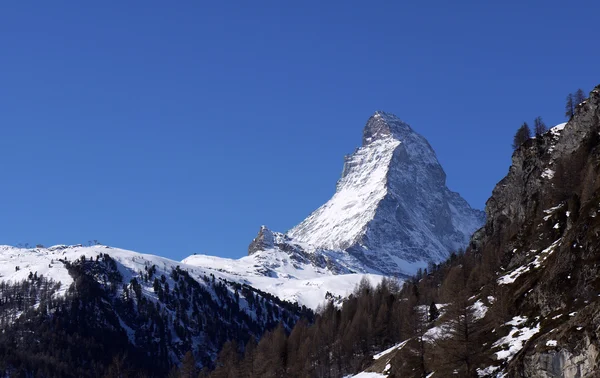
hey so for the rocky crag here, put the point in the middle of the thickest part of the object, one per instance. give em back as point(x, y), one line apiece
point(544, 226)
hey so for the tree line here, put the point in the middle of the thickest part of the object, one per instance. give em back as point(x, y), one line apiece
point(432, 313)
point(524, 132)
point(105, 326)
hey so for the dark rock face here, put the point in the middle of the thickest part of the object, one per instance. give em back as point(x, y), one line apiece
point(267, 240)
point(544, 224)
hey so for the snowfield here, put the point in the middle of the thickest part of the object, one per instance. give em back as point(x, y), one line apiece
point(304, 284)
point(339, 222)
point(290, 280)
point(516, 338)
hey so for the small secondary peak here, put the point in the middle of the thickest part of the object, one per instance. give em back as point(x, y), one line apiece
point(263, 241)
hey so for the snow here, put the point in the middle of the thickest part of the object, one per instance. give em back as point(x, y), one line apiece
point(436, 333)
point(339, 222)
point(551, 343)
point(548, 173)
point(551, 211)
point(391, 349)
point(555, 132)
point(387, 204)
point(525, 268)
point(311, 292)
point(479, 310)
point(558, 128)
point(305, 283)
point(516, 338)
point(395, 169)
point(487, 371)
point(45, 261)
point(369, 375)
point(276, 272)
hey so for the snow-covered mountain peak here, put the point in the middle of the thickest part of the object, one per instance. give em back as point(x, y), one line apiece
point(391, 203)
point(383, 125)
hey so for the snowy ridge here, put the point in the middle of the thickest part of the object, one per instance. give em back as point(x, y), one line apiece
point(285, 276)
point(272, 271)
point(137, 289)
point(45, 261)
point(339, 222)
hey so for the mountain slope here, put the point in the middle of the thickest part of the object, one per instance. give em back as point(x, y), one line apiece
point(544, 226)
point(148, 310)
point(308, 279)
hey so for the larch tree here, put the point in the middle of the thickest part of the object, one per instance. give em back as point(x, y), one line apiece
point(522, 135)
point(539, 126)
point(461, 344)
point(227, 361)
point(579, 97)
point(434, 313)
point(188, 366)
point(570, 106)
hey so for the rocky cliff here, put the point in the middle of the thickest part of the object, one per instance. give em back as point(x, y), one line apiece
point(543, 227)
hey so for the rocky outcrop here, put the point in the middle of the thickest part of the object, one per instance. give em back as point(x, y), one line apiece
point(563, 363)
point(543, 227)
point(263, 241)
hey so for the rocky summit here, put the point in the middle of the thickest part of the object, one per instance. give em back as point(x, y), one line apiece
point(392, 210)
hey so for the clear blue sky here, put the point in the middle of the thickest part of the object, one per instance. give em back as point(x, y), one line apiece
point(181, 127)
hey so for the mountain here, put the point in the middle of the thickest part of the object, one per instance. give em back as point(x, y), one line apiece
point(391, 214)
point(523, 300)
point(391, 210)
point(73, 311)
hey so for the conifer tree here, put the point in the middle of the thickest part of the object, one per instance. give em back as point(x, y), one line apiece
point(522, 135)
point(539, 126)
point(461, 344)
point(579, 97)
point(227, 361)
point(434, 313)
point(570, 106)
